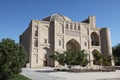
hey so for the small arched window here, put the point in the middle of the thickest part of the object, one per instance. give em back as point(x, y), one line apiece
point(75, 27)
point(36, 42)
point(78, 26)
point(60, 42)
point(36, 31)
point(67, 27)
point(71, 26)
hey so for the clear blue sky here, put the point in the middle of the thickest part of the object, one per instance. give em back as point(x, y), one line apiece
point(15, 15)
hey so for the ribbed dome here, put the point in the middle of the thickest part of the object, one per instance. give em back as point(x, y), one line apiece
point(57, 17)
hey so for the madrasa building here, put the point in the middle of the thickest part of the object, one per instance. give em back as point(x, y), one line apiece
point(59, 33)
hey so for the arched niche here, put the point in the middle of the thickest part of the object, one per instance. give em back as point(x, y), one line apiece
point(44, 32)
point(72, 45)
point(46, 56)
point(94, 39)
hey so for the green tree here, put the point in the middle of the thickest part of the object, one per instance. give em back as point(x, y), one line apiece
point(71, 58)
point(81, 58)
point(98, 57)
point(106, 60)
point(59, 57)
point(102, 59)
point(116, 52)
point(12, 58)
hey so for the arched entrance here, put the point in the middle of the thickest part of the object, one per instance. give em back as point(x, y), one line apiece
point(72, 45)
point(46, 56)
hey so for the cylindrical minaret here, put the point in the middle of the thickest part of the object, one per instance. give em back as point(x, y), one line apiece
point(106, 47)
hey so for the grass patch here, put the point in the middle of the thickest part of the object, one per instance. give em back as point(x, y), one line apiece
point(20, 77)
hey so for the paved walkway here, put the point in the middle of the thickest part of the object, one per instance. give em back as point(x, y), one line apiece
point(48, 74)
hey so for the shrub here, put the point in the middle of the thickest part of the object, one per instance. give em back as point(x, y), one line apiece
point(12, 58)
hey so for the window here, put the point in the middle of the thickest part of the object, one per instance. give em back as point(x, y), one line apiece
point(67, 27)
point(85, 43)
point(75, 27)
point(59, 42)
point(45, 41)
point(70, 26)
point(78, 26)
point(36, 32)
point(36, 42)
point(62, 29)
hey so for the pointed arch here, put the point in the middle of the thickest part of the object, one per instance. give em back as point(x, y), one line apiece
point(72, 45)
point(46, 56)
point(94, 39)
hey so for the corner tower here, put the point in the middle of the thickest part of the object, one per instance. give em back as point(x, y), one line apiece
point(106, 46)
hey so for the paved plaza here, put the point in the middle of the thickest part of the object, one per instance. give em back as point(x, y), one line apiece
point(49, 74)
